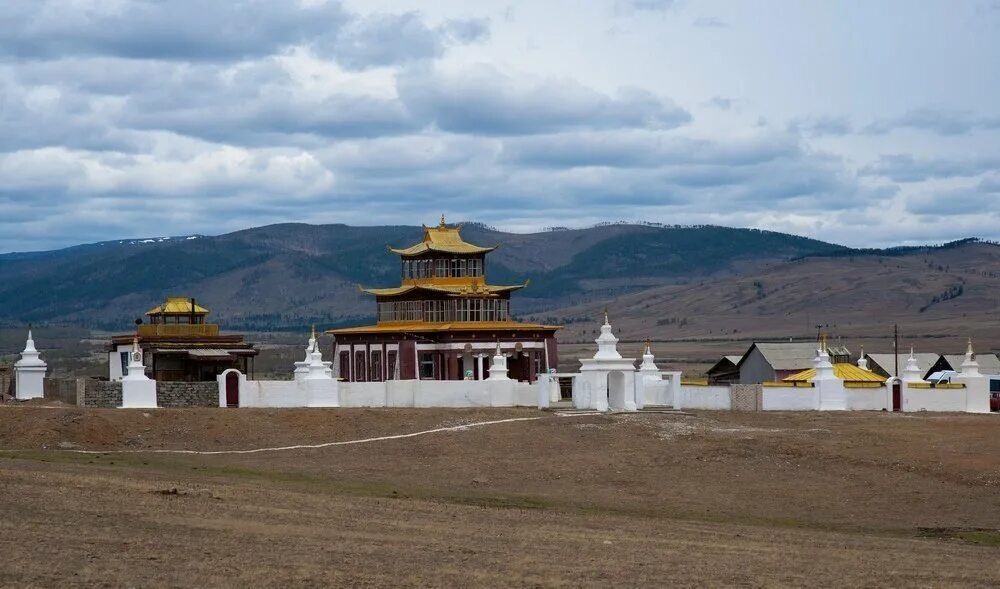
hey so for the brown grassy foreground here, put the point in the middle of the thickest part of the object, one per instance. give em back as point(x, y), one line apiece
point(645, 499)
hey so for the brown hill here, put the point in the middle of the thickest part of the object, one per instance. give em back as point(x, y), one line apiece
point(937, 297)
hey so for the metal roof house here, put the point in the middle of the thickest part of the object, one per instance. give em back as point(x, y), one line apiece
point(725, 371)
point(768, 362)
point(885, 364)
point(989, 364)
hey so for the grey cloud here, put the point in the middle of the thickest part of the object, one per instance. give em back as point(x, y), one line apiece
point(906, 168)
point(484, 101)
point(820, 126)
point(939, 121)
point(193, 30)
point(646, 5)
point(720, 102)
point(641, 149)
point(398, 39)
point(709, 22)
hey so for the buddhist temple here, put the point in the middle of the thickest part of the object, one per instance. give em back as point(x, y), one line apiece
point(179, 344)
point(444, 321)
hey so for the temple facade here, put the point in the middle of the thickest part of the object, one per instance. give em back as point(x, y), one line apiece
point(443, 322)
point(179, 344)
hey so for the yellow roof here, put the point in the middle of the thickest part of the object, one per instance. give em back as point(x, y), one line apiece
point(843, 371)
point(178, 306)
point(455, 290)
point(423, 326)
point(442, 239)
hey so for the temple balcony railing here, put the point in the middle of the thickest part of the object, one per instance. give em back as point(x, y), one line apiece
point(178, 329)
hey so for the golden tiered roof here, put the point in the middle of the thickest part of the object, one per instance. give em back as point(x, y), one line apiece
point(845, 372)
point(177, 306)
point(432, 327)
point(442, 239)
point(473, 289)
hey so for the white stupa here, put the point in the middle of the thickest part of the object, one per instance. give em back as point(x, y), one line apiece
point(912, 372)
point(138, 390)
point(607, 381)
point(317, 369)
point(29, 372)
point(862, 361)
point(824, 369)
point(498, 367)
point(302, 366)
point(970, 367)
point(648, 361)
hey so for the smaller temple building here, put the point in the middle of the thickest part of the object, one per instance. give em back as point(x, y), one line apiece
point(443, 322)
point(179, 344)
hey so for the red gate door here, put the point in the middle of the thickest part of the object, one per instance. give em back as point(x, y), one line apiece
point(897, 402)
point(233, 389)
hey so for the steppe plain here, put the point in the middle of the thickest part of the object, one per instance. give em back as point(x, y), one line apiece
point(703, 498)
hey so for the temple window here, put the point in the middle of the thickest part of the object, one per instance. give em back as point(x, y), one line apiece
point(359, 366)
point(344, 367)
point(427, 365)
point(376, 367)
point(390, 365)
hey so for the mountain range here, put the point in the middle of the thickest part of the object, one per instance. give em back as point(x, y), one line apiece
point(683, 279)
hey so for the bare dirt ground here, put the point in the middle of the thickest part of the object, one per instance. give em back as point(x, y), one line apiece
point(712, 498)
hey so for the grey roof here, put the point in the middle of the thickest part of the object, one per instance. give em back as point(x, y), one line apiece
point(925, 360)
point(788, 355)
point(734, 360)
point(988, 363)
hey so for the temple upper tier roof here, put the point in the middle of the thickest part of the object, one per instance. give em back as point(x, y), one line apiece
point(442, 239)
point(456, 290)
point(177, 306)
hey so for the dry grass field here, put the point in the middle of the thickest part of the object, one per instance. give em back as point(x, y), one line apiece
point(710, 498)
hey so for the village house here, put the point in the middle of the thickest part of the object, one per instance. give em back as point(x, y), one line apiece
point(885, 364)
point(725, 371)
point(989, 364)
point(775, 361)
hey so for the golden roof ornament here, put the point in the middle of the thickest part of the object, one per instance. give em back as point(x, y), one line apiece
point(443, 224)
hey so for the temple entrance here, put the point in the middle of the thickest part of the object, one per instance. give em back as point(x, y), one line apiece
point(616, 390)
point(233, 389)
point(897, 397)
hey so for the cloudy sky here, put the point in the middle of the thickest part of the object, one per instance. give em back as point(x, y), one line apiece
point(861, 122)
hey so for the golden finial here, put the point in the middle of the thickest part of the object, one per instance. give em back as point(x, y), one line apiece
point(314, 331)
point(442, 221)
point(970, 350)
point(822, 340)
point(606, 314)
point(648, 345)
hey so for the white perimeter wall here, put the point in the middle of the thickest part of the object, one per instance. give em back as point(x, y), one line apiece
point(790, 399)
point(394, 393)
point(703, 397)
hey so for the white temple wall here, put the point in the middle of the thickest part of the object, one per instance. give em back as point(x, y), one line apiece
point(921, 399)
point(866, 399)
point(703, 397)
point(790, 399)
point(977, 393)
point(832, 395)
point(273, 393)
point(364, 394)
point(657, 392)
point(393, 393)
